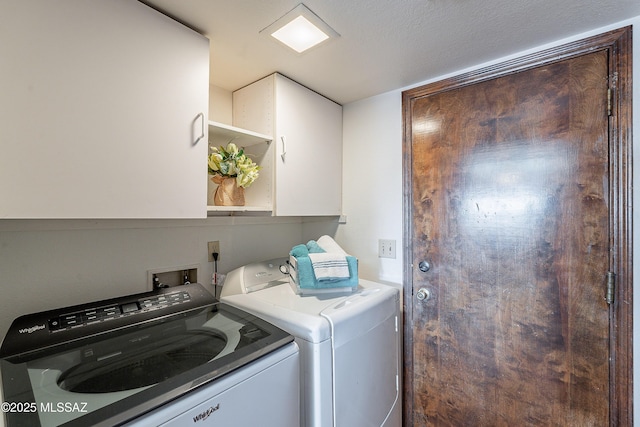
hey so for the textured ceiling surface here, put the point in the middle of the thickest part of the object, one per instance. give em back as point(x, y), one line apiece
point(383, 45)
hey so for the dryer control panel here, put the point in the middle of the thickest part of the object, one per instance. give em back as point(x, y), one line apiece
point(256, 276)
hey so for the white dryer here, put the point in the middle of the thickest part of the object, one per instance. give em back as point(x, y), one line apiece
point(349, 344)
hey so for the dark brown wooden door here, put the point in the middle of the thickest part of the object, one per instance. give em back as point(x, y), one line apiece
point(510, 205)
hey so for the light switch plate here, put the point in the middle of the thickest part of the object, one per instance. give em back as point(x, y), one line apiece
point(386, 248)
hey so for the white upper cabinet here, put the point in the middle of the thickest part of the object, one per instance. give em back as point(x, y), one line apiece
point(103, 112)
point(302, 167)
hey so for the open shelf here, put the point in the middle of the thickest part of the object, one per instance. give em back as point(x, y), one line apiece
point(221, 134)
point(217, 210)
point(257, 146)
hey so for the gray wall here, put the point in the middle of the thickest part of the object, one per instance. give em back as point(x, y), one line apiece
point(45, 264)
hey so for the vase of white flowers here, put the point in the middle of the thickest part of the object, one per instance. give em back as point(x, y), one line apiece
point(233, 171)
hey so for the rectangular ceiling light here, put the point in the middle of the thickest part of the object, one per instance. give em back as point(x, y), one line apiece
point(300, 29)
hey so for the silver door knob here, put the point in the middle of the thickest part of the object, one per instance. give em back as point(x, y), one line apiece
point(424, 266)
point(423, 294)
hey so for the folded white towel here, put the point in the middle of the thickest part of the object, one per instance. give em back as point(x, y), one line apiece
point(329, 245)
point(329, 266)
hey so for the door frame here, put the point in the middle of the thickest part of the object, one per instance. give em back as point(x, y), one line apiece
point(618, 45)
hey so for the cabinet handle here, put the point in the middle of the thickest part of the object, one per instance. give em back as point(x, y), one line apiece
point(284, 148)
point(201, 116)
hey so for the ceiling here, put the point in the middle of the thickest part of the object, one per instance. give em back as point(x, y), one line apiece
point(383, 45)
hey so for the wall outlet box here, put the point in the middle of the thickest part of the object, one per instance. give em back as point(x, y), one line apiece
point(386, 248)
point(173, 276)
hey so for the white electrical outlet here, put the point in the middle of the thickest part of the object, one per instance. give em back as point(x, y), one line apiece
point(213, 247)
point(386, 248)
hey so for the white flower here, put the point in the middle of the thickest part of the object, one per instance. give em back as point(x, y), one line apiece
point(214, 162)
point(231, 161)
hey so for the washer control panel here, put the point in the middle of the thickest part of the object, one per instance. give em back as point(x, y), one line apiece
point(94, 315)
point(48, 329)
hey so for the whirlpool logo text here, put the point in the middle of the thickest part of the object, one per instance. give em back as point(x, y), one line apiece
point(31, 329)
point(204, 415)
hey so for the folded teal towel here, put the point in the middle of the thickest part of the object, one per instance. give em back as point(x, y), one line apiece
point(314, 247)
point(299, 251)
point(306, 278)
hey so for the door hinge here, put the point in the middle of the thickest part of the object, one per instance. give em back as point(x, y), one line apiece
point(611, 286)
point(608, 101)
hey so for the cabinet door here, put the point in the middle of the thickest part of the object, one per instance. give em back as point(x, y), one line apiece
point(308, 142)
point(99, 112)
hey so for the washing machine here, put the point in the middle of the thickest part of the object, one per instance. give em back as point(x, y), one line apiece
point(169, 357)
point(349, 343)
